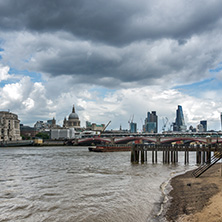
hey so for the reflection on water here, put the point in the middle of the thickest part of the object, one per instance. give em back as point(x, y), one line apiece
point(72, 184)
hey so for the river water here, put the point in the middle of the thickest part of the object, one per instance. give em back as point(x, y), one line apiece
point(73, 184)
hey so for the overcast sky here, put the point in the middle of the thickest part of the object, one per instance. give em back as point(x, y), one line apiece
point(115, 60)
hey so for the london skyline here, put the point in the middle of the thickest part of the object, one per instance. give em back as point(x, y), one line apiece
point(112, 60)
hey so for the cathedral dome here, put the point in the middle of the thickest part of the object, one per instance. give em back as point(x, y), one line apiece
point(73, 116)
point(73, 120)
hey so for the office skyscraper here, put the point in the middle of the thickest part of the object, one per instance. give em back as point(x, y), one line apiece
point(151, 122)
point(221, 120)
point(133, 127)
point(179, 124)
point(204, 124)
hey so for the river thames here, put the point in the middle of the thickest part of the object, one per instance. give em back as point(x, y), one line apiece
point(73, 184)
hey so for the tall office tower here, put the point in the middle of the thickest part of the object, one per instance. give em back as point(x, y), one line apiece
point(221, 120)
point(179, 124)
point(204, 124)
point(151, 122)
point(133, 127)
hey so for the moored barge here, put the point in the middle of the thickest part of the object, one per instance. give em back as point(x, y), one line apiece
point(110, 148)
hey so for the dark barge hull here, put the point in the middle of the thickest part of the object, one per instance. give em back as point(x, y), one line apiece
point(110, 148)
point(17, 143)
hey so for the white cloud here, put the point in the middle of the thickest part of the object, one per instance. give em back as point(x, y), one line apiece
point(28, 103)
point(142, 54)
point(4, 73)
point(37, 101)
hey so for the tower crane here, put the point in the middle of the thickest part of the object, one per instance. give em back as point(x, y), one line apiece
point(105, 127)
point(165, 121)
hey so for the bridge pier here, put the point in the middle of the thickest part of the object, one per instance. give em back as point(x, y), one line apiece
point(170, 153)
point(155, 154)
point(186, 155)
point(142, 156)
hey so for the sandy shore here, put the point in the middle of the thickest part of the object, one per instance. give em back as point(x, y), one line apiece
point(196, 199)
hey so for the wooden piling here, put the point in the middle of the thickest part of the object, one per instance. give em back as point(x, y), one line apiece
point(163, 156)
point(155, 154)
point(140, 152)
point(146, 156)
point(142, 156)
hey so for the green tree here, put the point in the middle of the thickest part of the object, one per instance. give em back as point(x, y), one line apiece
point(42, 135)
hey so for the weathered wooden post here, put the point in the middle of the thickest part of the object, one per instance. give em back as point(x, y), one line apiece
point(137, 156)
point(152, 155)
point(203, 154)
point(174, 155)
point(146, 155)
point(188, 154)
point(163, 154)
point(157, 145)
point(185, 156)
point(209, 144)
point(133, 154)
point(142, 155)
point(156, 153)
point(168, 155)
point(171, 156)
point(197, 154)
point(209, 154)
point(176, 148)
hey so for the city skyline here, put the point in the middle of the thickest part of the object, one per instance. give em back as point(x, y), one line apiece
point(150, 125)
point(111, 60)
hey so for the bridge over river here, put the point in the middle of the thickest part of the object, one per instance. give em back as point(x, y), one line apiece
point(188, 138)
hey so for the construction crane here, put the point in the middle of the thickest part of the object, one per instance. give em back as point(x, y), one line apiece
point(130, 121)
point(141, 124)
point(105, 127)
point(171, 127)
point(165, 121)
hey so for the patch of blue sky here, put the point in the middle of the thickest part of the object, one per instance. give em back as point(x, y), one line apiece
point(5, 82)
point(102, 92)
point(194, 89)
point(1, 50)
point(35, 77)
point(217, 69)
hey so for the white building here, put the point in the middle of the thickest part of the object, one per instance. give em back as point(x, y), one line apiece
point(63, 134)
point(9, 127)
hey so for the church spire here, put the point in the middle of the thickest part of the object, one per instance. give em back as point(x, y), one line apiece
point(73, 109)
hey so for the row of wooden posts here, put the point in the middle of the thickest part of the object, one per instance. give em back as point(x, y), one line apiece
point(170, 153)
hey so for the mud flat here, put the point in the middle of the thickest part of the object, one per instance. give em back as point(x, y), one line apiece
point(196, 199)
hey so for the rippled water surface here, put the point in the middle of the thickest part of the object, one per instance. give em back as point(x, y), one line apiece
point(73, 184)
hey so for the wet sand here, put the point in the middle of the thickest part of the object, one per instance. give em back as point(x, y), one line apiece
point(196, 199)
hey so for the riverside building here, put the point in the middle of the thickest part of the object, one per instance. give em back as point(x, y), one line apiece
point(9, 127)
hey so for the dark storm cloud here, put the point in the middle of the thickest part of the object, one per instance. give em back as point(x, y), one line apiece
point(113, 42)
point(114, 22)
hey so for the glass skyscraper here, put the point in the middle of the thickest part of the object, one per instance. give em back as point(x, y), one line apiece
point(151, 122)
point(179, 124)
point(133, 127)
point(204, 124)
point(221, 120)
